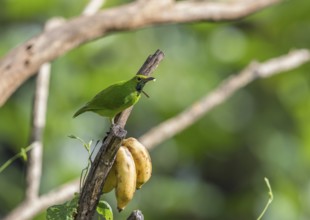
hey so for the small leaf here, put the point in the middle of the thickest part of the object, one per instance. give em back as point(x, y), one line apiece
point(104, 210)
point(72, 136)
point(89, 145)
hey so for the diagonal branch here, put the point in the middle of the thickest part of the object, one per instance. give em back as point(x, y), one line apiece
point(189, 116)
point(25, 60)
point(27, 210)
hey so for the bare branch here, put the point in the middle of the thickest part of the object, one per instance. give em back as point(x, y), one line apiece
point(189, 11)
point(38, 123)
point(178, 123)
point(27, 210)
point(26, 59)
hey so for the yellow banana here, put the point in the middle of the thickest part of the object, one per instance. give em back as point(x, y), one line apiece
point(142, 160)
point(110, 181)
point(125, 178)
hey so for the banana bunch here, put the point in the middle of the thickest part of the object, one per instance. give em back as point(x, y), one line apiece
point(131, 169)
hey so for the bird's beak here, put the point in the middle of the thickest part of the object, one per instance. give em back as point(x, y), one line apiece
point(150, 79)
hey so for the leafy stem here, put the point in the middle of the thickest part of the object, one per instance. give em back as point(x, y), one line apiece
point(22, 154)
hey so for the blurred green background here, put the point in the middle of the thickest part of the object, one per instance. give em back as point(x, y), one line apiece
point(214, 169)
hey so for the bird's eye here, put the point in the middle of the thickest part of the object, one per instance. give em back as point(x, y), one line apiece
point(139, 78)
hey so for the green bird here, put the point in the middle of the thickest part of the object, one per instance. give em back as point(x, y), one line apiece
point(116, 98)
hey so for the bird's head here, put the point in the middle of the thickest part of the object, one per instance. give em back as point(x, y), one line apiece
point(141, 80)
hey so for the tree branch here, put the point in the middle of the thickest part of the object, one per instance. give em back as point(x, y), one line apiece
point(27, 210)
point(255, 70)
point(34, 167)
point(23, 61)
point(104, 160)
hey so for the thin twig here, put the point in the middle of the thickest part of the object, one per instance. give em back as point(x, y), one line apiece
point(21, 154)
point(25, 60)
point(270, 199)
point(183, 120)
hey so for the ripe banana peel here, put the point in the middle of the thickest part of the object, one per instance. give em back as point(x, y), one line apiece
point(125, 178)
point(131, 169)
point(141, 158)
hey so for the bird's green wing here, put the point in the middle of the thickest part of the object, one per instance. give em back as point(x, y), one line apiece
point(109, 98)
point(113, 99)
point(104, 101)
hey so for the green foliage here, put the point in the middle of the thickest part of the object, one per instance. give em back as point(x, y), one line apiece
point(104, 210)
point(65, 211)
point(22, 154)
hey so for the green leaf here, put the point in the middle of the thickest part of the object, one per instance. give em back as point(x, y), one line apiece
point(72, 136)
point(104, 210)
point(64, 211)
point(88, 145)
